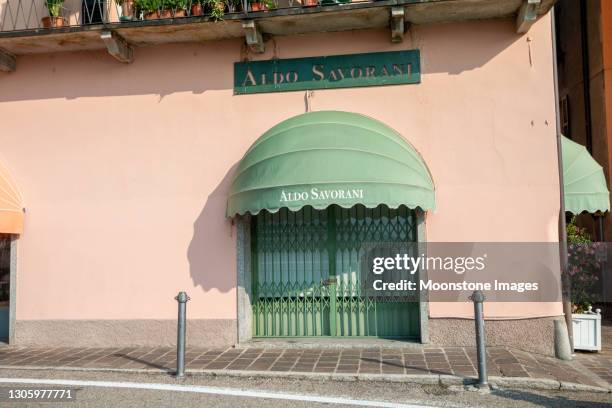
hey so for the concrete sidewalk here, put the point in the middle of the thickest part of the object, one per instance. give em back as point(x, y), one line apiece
point(453, 365)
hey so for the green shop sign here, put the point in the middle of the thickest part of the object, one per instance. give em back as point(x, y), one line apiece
point(336, 71)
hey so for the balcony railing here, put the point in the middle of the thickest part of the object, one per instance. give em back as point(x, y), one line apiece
point(48, 26)
point(26, 15)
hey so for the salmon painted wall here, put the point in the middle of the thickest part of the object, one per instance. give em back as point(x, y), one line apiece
point(124, 169)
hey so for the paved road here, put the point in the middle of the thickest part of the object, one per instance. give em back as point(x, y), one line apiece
point(375, 393)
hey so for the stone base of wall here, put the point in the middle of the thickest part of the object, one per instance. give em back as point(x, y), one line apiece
point(533, 335)
point(123, 333)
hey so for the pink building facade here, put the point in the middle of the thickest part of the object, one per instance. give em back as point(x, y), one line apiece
point(124, 172)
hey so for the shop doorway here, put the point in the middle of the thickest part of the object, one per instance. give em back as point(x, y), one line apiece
point(306, 279)
point(5, 286)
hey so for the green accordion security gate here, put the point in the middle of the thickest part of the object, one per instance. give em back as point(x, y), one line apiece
point(306, 273)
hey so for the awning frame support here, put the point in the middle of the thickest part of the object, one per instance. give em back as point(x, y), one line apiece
point(253, 36)
point(527, 15)
point(118, 47)
point(8, 62)
point(397, 24)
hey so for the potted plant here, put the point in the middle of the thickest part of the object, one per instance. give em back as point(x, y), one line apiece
point(233, 5)
point(256, 5)
point(149, 8)
point(217, 9)
point(262, 5)
point(197, 8)
point(174, 8)
point(584, 264)
point(54, 19)
point(154, 9)
point(127, 9)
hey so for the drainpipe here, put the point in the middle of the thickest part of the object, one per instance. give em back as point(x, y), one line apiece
point(586, 74)
point(563, 335)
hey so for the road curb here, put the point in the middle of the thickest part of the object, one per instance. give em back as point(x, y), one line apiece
point(542, 384)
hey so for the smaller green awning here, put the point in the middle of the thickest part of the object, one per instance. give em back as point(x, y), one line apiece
point(324, 158)
point(583, 180)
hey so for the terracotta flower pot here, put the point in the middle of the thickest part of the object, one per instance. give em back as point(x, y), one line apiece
point(310, 3)
point(165, 13)
point(54, 22)
point(196, 9)
point(258, 7)
point(127, 10)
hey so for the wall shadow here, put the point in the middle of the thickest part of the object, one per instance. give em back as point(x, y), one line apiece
point(161, 70)
point(443, 46)
point(539, 399)
point(209, 266)
point(144, 361)
point(450, 48)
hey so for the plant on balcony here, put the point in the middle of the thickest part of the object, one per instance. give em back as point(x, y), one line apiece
point(197, 7)
point(54, 19)
point(262, 5)
point(127, 9)
point(310, 3)
point(233, 5)
point(217, 9)
point(154, 9)
point(149, 8)
point(174, 8)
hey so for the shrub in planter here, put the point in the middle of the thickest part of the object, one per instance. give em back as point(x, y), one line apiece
point(54, 19)
point(584, 263)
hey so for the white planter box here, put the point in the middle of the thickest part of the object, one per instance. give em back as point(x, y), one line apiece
point(587, 331)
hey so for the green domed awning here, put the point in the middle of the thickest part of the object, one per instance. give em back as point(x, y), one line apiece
point(583, 180)
point(325, 158)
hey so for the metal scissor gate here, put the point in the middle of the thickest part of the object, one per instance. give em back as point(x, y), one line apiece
point(307, 280)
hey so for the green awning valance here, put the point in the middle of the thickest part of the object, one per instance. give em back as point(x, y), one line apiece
point(324, 158)
point(583, 180)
